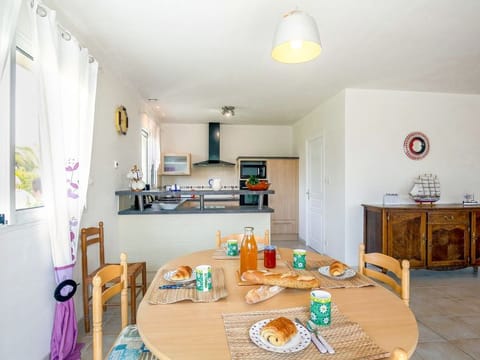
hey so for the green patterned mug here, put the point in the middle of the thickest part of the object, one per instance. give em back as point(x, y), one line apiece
point(299, 259)
point(203, 278)
point(321, 307)
point(232, 247)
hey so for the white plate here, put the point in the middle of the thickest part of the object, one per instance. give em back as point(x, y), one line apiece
point(168, 276)
point(349, 273)
point(299, 342)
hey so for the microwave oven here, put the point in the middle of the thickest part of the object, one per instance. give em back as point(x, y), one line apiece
point(255, 168)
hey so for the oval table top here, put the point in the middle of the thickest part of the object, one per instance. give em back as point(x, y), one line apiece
point(195, 330)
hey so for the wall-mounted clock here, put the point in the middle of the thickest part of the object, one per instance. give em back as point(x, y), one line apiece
point(416, 145)
point(121, 120)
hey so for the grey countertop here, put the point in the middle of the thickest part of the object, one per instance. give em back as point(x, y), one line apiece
point(196, 203)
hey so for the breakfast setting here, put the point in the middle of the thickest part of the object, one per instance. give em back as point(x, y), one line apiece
point(280, 307)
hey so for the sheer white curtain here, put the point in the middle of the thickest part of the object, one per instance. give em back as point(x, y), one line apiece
point(67, 77)
point(9, 10)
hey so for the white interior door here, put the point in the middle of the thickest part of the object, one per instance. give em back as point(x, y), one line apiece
point(315, 195)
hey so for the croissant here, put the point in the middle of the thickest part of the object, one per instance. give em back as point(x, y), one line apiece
point(337, 268)
point(279, 331)
point(183, 272)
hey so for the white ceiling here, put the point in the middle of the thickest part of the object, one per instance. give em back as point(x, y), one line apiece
point(197, 56)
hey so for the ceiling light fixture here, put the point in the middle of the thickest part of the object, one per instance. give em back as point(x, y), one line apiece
point(297, 39)
point(228, 111)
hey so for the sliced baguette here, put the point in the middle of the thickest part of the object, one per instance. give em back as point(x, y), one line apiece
point(289, 279)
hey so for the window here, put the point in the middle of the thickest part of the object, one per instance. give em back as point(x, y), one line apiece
point(145, 157)
point(28, 188)
point(20, 184)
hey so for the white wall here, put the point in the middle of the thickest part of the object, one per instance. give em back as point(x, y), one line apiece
point(377, 123)
point(27, 292)
point(364, 131)
point(327, 121)
point(235, 140)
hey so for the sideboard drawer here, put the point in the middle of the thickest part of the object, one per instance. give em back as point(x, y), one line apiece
point(448, 217)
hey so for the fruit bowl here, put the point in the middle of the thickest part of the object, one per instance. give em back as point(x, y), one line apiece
point(259, 186)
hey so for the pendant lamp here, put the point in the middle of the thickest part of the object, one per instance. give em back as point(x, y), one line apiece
point(297, 39)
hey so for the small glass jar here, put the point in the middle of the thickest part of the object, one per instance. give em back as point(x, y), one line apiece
point(270, 257)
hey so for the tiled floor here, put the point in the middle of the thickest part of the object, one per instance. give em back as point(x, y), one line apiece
point(446, 305)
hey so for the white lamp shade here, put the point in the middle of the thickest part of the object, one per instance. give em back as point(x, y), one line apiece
point(296, 39)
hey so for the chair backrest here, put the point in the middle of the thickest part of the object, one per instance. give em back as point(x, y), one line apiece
point(386, 264)
point(91, 236)
point(398, 354)
point(259, 239)
point(110, 274)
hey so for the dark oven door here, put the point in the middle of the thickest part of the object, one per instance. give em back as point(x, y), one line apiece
point(250, 199)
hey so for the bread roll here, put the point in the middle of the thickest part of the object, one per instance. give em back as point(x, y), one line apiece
point(183, 272)
point(279, 331)
point(289, 279)
point(337, 268)
point(262, 293)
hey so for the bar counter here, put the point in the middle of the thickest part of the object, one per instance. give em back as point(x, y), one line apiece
point(188, 200)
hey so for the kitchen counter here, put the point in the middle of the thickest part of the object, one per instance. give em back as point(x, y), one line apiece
point(191, 201)
point(166, 234)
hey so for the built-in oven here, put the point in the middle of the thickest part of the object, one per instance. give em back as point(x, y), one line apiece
point(250, 199)
point(256, 168)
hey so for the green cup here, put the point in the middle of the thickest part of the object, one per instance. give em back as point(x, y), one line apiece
point(321, 307)
point(232, 247)
point(299, 259)
point(203, 278)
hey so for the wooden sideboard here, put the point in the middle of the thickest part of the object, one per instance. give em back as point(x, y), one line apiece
point(443, 236)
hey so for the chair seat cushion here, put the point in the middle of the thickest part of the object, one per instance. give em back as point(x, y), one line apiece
point(129, 346)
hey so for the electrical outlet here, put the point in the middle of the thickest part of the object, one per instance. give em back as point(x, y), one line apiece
point(115, 164)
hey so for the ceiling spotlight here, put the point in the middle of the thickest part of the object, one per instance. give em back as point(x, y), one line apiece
point(228, 111)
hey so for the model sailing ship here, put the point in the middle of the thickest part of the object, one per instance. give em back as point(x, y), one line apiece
point(426, 189)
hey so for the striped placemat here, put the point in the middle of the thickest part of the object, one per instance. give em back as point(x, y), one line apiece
point(347, 338)
point(169, 296)
point(359, 280)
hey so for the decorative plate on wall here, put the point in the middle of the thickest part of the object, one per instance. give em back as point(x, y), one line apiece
point(416, 145)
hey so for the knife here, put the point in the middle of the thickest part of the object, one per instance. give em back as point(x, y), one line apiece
point(314, 328)
point(177, 286)
point(315, 340)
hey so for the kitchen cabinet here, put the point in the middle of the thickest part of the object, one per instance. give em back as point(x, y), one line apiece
point(282, 173)
point(429, 236)
point(175, 164)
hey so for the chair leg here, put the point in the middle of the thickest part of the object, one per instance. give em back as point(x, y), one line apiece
point(133, 299)
point(144, 279)
point(86, 312)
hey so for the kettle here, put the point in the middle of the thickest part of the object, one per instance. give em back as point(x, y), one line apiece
point(215, 183)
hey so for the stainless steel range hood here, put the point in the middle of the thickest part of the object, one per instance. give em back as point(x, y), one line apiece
point(213, 148)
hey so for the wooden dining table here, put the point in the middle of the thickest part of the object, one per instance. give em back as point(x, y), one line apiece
point(196, 330)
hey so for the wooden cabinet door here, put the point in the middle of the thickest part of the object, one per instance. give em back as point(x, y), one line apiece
point(283, 174)
point(406, 232)
point(475, 248)
point(448, 239)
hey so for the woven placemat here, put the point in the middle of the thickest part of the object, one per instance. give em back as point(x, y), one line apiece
point(219, 254)
point(346, 337)
point(169, 296)
point(359, 280)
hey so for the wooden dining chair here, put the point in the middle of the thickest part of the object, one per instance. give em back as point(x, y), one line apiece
point(220, 240)
point(383, 268)
point(398, 354)
point(108, 282)
point(95, 236)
